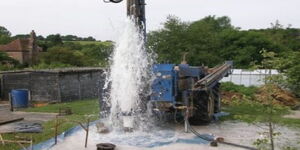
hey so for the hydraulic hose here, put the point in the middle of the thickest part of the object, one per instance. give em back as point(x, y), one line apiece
point(209, 139)
point(112, 1)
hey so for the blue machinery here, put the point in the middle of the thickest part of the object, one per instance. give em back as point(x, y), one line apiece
point(193, 91)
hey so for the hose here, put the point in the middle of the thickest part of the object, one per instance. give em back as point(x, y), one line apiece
point(206, 138)
point(112, 1)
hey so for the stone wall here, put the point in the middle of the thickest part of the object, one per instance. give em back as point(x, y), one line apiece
point(58, 85)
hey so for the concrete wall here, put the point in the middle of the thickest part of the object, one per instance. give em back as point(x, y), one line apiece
point(54, 86)
point(44, 86)
point(82, 85)
point(14, 81)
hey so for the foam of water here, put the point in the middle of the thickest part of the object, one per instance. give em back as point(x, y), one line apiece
point(128, 76)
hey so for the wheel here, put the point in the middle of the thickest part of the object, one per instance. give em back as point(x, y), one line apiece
point(204, 108)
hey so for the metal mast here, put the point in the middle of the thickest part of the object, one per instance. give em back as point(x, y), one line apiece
point(135, 10)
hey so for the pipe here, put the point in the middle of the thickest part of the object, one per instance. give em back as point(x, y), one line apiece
point(136, 10)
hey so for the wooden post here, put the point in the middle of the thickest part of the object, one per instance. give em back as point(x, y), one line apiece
point(56, 126)
point(2, 87)
point(87, 133)
point(2, 141)
point(10, 102)
point(29, 97)
point(31, 143)
point(58, 88)
point(79, 86)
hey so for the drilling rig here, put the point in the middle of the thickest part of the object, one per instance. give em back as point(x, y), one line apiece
point(191, 93)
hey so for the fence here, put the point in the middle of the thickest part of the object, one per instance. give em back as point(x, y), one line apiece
point(249, 77)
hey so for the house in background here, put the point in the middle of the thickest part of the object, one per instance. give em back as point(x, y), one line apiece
point(26, 51)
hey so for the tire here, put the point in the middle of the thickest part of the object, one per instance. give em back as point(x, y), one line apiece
point(204, 108)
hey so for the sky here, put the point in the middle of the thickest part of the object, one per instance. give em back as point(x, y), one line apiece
point(102, 20)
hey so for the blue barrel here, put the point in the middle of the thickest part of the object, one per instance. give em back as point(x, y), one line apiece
point(19, 98)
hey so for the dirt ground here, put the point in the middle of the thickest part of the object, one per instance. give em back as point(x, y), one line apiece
point(233, 132)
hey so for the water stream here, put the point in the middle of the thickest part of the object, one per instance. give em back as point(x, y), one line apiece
point(128, 78)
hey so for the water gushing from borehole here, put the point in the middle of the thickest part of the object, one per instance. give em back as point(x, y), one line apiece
point(128, 77)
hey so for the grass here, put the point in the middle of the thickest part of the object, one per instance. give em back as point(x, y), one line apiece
point(81, 107)
point(81, 110)
point(231, 87)
point(254, 112)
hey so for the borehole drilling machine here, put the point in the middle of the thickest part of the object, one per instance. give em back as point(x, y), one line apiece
point(191, 92)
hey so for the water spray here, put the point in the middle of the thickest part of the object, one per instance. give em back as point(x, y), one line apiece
point(136, 11)
point(129, 68)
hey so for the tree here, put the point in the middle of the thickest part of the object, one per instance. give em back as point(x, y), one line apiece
point(64, 55)
point(98, 53)
point(268, 63)
point(212, 40)
point(167, 42)
point(4, 35)
point(89, 39)
point(21, 36)
point(4, 31)
point(54, 40)
point(289, 66)
point(69, 38)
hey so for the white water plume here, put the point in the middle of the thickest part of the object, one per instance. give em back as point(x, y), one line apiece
point(128, 76)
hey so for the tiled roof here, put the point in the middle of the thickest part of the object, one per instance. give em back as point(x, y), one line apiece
point(16, 45)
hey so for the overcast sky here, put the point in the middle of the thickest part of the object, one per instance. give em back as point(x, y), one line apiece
point(101, 20)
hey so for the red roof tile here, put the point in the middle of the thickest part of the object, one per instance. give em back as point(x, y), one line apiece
point(16, 45)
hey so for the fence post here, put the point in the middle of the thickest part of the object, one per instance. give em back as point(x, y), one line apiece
point(56, 126)
point(87, 133)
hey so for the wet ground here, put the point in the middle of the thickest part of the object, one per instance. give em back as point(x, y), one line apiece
point(174, 138)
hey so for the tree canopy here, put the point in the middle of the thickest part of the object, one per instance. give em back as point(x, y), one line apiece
point(212, 40)
point(4, 35)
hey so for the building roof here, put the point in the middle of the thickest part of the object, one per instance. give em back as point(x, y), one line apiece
point(17, 45)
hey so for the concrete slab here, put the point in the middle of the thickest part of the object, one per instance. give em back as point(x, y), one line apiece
point(9, 120)
point(29, 117)
point(294, 115)
point(238, 133)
